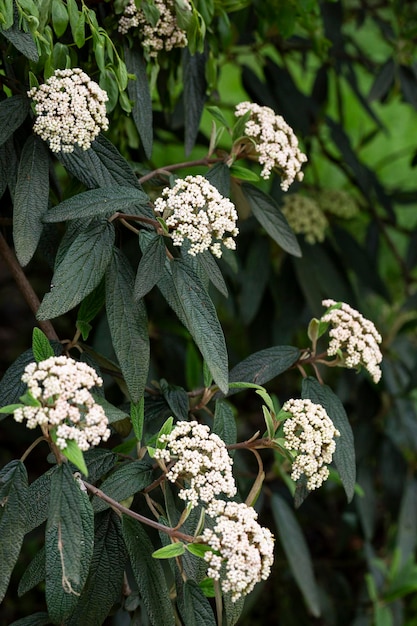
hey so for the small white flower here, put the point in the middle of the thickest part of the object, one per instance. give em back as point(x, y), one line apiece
point(305, 217)
point(354, 337)
point(337, 202)
point(310, 433)
point(276, 145)
point(202, 461)
point(246, 548)
point(70, 110)
point(195, 210)
point(164, 35)
point(61, 385)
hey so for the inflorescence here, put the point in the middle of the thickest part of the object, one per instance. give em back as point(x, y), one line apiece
point(61, 387)
point(275, 144)
point(70, 109)
point(164, 34)
point(195, 210)
point(305, 217)
point(309, 432)
point(353, 338)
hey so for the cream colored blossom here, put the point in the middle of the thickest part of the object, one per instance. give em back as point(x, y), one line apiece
point(195, 210)
point(70, 110)
point(337, 202)
point(309, 433)
point(238, 541)
point(353, 337)
point(164, 35)
point(61, 386)
point(305, 217)
point(276, 146)
point(201, 459)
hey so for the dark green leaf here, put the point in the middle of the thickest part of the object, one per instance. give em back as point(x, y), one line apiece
point(22, 41)
point(37, 619)
point(194, 607)
point(60, 17)
point(263, 366)
point(105, 577)
point(137, 415)
point(383, 81)
point(407, 523)
point(113, 414)
point(139, 93)
point(201, 321)
point(80, 271)
point(194, 95)
point(38, 499)
point(151, 265)
point(344, 456)
point(13, 112)
point(124, 482)
point(97, 202)
point(297, 552)
point(68, 543)
point(177, 400)
point(224, 424)
point(254, 279)
point(90, 307)
point(13, 503)
point(128, 325)
point(41, 347)
point(219, 177)
point(148, 574)
point(212, 271)
point(34, 574)
point(269, 215)
point(408, 82)
point(233, 609)
point(99, 462)
point(31, 198)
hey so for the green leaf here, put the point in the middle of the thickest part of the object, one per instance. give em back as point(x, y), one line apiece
point(344, 456)
point(263, 366)
point(170, 551)
point(75, 455)
point(218, 115)
point(254, 279)
point(13, 504)
point(148, 574)
point(224, 424)
point(10, 408)
point(243, 173)
point(99, 462)
point(137, 415)
point(212, 270)
point(194, 95)
point(79, 31)
point(97, 202)
point(128, 325)
point(80, 271)
point(151, 266)
point(60, 17)
point(407, 522)
point(68, 543)
point(38, 499)
point(105, 577)
point(113, 414)
point(139, 93)
point(41, 347)
point(34, 573)
point(124, 482)
point(201, 320)
point(31, 198)
point(219, 177)
point(177, 399)
point(13, 112)
point(89, 308)
point(37, 619)
point(297, 552)
point(198, 549)
point(194, 607)
point(267, 212)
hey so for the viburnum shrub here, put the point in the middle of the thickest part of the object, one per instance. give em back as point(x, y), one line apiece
point(184, 383)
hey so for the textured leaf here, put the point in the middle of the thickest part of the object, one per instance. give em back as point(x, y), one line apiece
point(263, 366)
point(177, 399)
point(201, 320)
point(22, 41)
point(194, 95)
point(13, 503)
point(31, 198)
point(100, 166)
point(38, 499)
point(139, 93)
point(212, 271)
point(407, 523)
point(269, 215)
point(34, 573)
point(219, 177)
point(113, 414)
point(194, 607)
point(89, 308)
point(151, 265)
point(80, 271)
point(105, 577)
point(148, 574)
point(99, 462)
point(97, 202)
point(68, 543)
point(254, 279)
point(344, 456)
point(297, 552)
point(128, 325)
point(41, 347)
point(13, 112)
point(224, 424)
point(124, 482)
point(233, 609)
point(37, 619)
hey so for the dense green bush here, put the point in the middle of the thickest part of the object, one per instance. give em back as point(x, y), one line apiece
point(186, 342)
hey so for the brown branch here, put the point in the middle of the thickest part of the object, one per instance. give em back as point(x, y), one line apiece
point(178, 166)
point(25, 288)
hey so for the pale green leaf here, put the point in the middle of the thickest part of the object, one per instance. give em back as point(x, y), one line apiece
point(170, 551)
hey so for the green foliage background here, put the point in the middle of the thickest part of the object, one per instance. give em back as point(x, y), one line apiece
point(344, 76)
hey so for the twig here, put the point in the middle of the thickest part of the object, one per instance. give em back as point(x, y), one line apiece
point(178, 166)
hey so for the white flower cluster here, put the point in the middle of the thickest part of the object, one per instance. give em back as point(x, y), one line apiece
point(337, 202)
point(164, 35)
point(305, 217)
point(246, 547)
point(276, 145)
point(353, 337)
point(201, 459)
point(310, 433)
point(196, 210)
point(61, 386)
point(70, 109)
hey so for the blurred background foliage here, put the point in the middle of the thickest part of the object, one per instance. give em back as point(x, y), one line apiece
point(344, 76)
